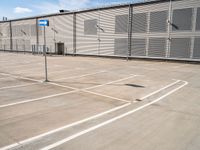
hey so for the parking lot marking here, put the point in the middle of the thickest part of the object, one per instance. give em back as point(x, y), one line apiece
point(102, 95)
point(37, 99)
point(74, 90)
point(110, 120)
point(150, 94)
point(80, 76)
point(115, 81)
point(20, 77)
point(64, 86)
point(64, 127)
point(16, 86)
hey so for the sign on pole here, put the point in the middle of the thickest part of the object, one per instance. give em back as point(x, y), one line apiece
point(45, 23)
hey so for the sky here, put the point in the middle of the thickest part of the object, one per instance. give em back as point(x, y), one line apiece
point(25, 8)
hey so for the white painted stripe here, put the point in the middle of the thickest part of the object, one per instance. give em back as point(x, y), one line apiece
point(37, 99)
point(171, 84)
point(9, 146)
point(16, 86)
point(109, 121)
point(132, 76)
point(64, 127)
point(80, 76)
point(64, 86)
point(20, 77)
point(102, 95)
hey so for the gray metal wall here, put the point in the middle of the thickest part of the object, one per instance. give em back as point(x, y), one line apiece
point(161, 30)
point(23, 35)
point(5, 36)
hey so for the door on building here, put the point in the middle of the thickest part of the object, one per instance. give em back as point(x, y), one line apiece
point(60, 48)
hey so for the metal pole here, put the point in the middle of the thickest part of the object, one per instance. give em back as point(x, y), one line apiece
point(45, 56)
point(169, 28)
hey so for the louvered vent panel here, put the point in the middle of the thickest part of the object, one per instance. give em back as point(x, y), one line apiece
point(138, 47)
point(182, 19)
point(196, 51)
point(158, 21)
point(139, 23)
point(198, 19)
point(121, 48)
point(157, 47)
point(180, 48)
point(121, 24)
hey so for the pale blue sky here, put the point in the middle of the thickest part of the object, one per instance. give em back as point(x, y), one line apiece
point(24, 8)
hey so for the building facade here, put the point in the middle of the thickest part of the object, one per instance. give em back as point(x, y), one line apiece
point(159, 29)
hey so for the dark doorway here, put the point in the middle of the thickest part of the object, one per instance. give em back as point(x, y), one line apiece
point(60, 48)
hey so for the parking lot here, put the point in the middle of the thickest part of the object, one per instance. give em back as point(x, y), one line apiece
point(98, 103)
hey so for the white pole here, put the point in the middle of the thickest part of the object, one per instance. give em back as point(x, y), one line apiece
point(45, 57)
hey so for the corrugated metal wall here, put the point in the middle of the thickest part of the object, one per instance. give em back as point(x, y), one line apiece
point(60, 30)
point(5, 36)
point(113, 29)
point(158, 30)
point(24, 35)
point(87, 43)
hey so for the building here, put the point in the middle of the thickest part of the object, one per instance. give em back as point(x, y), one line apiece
point(160, 29)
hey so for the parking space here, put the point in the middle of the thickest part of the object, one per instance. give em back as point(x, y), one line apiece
point(90, 98)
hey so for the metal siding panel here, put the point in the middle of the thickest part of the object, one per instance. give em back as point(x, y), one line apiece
point(158, 21)
point(24, 35)
point(63, 30)
point(198, 19)
point(139, 23)
point(90, 27)
point(182, 19)
point(86, 44)
point(196, 51)
point(107, 35)
point(157, 47)
point(5, 35)
point(138, 47)
point(180, 48)
point(121, 24)
point(121, 48)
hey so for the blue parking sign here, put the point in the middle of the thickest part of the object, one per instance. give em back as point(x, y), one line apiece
point(43, 22)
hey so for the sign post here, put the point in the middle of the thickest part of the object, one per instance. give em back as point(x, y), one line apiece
point(45, 23)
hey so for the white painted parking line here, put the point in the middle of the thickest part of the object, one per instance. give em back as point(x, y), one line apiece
point(32, 139)
point(16, 86)
point(64, 86)
point(102, 95)
point(74, 90)
point(37, 99)
point(110, 120)
point(150, 94)
point(115, 81)
point(20, 77)
point(80, 76)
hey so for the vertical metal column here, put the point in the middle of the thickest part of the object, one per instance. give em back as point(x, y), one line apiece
point(193, 30)
point(45, 56)
point(74, 33)
point(98, 31)
point(130, 25)
point(169, 29)
point(147, 37)
point(37, 35)
point(11, 41)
